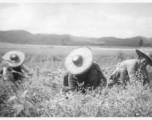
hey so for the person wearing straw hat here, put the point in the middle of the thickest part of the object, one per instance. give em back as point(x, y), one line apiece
point(82, 71)
point(131, 68)
point(13, 66)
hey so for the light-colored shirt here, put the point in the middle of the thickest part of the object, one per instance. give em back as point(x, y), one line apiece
point(132, 66)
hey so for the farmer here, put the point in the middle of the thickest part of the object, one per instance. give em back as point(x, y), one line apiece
point(82, 71)
point(130, 68)
point(12, 66)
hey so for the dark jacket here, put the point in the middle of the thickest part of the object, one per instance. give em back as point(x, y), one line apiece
point(91, 78)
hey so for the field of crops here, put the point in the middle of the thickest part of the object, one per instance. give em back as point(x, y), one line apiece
point(40, 96)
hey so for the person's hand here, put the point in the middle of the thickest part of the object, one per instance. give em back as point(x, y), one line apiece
point(5, 64)
point(5, 77)
point(64, 90)
point(30, 74)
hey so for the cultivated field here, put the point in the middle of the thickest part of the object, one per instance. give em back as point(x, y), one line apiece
point(40, 95)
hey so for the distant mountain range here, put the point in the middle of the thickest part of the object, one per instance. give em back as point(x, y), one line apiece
point(24, 37)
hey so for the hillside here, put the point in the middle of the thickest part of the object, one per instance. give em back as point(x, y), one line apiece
point(24, 37)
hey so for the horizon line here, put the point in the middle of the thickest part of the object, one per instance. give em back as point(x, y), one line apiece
point(74, 35)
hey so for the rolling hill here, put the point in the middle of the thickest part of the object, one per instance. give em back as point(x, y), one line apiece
point(24, 37)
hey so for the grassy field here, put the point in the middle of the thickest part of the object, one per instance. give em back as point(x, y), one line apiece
point(40, 95)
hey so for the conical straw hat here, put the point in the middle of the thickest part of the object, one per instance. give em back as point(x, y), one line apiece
point(147, 55)
point(79, 60)
point(19, 58)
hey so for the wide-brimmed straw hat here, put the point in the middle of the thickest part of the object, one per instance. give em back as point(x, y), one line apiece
point(14, 58)
point(147, 55)
point(79, 60)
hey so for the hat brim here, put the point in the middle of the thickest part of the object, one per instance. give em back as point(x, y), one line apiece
point(20, 55)
point(87, 57)
point(140, 53)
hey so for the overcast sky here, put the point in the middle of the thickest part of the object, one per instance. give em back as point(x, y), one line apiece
point(80, 19)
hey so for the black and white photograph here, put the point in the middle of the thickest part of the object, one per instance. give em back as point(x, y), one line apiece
point(75, 58)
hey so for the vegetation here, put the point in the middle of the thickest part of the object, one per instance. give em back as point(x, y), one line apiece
point(40, 95)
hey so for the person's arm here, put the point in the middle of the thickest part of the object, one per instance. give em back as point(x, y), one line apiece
point(26, 69)
point(4, 67)
point(71, 82)
point(1, 70)
point(4, 70)
point(101, 75)
point(145, 77)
